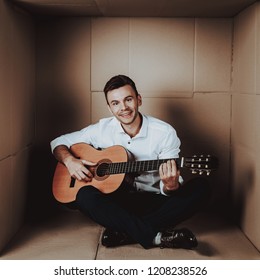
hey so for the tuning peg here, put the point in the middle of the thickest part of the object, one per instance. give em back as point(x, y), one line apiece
point(201, 172)
point(208, 173)
point(194, 158)
point(193, 171)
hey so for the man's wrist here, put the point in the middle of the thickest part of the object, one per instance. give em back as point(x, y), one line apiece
point(168, 189)
point(68, 159)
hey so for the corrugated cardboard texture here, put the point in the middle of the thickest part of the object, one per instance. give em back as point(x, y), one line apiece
point(16, 116)
point(246, 122)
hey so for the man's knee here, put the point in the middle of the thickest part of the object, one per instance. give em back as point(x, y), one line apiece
point(86, 196)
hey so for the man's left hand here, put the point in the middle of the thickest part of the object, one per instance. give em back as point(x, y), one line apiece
point(169, 175)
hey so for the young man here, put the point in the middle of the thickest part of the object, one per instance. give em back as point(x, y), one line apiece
point(147, 211)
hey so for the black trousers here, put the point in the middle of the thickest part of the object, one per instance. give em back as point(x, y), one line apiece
point(142, 214)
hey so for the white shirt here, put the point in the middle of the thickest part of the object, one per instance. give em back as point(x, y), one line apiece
point(155, 140)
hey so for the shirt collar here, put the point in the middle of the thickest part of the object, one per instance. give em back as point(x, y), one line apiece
point(142, 132)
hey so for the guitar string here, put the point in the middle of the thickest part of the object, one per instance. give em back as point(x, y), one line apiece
point(128, 167)
point(135, 166)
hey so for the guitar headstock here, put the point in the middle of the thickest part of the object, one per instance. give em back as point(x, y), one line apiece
point(200, 164)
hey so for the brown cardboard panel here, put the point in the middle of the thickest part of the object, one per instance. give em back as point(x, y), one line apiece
point(161, 54)
point(140, 8)
point(213, 49)
point(245, 50)
point(255, 208)
point(20, 184)
point(5, 201)
point(245, 124)
point(166, 94)
point(5, 82)
point(109, 50)
point(254, 212)
point(235, 87)
point(23, 76)
point(73, 8)
point(63, 77)
point(16, 87)
point(175, 111)
point(210, 134)
point(99, 107)
point(64, 236)
point(211, 116)
point(258, 48)
point(257, 121)
point(245, 192)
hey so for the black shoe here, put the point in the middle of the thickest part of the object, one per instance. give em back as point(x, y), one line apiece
point(112, 238)
point(178, 238)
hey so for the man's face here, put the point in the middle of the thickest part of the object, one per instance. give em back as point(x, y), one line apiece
point(123, 104)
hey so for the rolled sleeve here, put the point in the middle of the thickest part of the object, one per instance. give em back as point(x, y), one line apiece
point(62, 140)
point(81, 136)
point(161, 185)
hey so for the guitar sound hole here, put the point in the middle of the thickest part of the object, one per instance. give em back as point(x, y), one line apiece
point(102, 169)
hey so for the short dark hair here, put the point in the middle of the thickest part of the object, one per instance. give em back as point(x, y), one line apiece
point(119, 81)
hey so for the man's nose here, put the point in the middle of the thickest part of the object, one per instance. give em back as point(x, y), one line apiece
point(123, 106)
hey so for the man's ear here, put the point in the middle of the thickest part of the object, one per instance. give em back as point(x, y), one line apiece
point(139, 99)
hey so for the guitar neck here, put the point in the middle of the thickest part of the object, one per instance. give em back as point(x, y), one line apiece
point(137, 166)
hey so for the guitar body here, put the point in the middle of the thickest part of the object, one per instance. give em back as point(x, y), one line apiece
point(65, 188)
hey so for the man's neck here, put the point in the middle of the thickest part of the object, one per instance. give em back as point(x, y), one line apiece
point(133, 129)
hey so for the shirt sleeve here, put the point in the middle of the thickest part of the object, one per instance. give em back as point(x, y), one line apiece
point(161, 185)
point(171, 148)
point(170, 145)
point(82, 136)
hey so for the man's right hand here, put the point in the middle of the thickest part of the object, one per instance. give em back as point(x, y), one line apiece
point(76, 167)
point(78, 170)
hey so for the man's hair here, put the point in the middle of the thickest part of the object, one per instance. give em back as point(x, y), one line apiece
point(117, 82)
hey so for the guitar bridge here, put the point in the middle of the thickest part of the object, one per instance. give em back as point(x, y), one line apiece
point(72, 182)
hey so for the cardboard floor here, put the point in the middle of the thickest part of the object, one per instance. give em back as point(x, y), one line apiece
point(71, 236)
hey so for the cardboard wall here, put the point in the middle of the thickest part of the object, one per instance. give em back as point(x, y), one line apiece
point(200, 75)
point(246, 123)
point(16, 116)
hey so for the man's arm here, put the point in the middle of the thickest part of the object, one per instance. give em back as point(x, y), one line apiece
point(76, 167)
point(169, 175)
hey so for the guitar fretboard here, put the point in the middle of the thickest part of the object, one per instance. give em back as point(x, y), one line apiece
point(135, 166)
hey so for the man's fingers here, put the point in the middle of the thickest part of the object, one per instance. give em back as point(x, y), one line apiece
point(168, 168)
point(80, 175)
point(89, 163)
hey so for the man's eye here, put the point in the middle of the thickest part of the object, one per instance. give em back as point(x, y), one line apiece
point(129, 99)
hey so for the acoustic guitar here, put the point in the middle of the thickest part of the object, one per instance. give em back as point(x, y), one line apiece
point(112, 169)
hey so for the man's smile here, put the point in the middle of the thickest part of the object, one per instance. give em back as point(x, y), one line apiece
point(126, 115)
